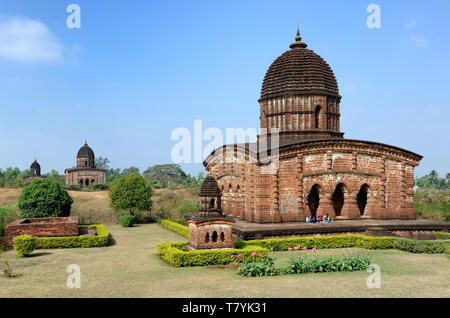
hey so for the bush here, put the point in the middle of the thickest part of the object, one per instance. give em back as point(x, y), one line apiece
point(99, 240)
point(337, 241)
point(73, 187)
point(442, 236)
point(44, 198)
point(185, 209)
point(303, 264)
point(24, 244)
point(416, 246)
point(127, 220)
point(176, 254)
point(100, 186)
point(130, 193)
point(259, 266)
point(7, 215)
point(175, 226)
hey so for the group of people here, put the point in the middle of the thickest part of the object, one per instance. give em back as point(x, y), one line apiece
point(319, 219)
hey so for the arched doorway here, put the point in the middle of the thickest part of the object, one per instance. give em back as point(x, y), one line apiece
point(361, 197)
point(211, 204)
point(86, 182)
point(338, 198)
point(81, 182)
point(214, 236)
point(313, 199)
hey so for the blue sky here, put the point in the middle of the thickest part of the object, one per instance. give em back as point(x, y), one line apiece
point(136, 70)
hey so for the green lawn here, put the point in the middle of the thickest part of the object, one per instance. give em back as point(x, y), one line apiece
point(131, 268)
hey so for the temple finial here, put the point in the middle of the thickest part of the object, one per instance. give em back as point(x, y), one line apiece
point(85, 142)
point(298, 40)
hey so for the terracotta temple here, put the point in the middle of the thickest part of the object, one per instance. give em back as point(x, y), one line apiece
point(85, 173)
point(318, 171)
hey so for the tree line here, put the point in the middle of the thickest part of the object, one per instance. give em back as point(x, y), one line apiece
point(433, 181)
point(158, 176)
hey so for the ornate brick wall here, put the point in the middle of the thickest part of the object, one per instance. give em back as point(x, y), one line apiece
point(210, 234)
point(352, 179)
point(83, 176)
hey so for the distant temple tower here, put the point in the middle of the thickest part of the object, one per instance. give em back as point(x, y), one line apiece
point(209, 228)
point(85, 173)
point(35, 172)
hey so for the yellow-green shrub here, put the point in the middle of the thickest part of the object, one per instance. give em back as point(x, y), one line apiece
point(24, 244)
point(176, 227)
point(335, 241)
point(176, 254)
point(442, 236)
point(99, 240)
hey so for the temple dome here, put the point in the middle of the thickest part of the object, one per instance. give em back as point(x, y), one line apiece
point(35, 165)
point(299, 71)
point(86, 157)
point(35, 169)
point(85, 152)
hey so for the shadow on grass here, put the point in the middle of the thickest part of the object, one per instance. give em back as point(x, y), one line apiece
point(112, 241)
point(39, 254)
point(13, 276)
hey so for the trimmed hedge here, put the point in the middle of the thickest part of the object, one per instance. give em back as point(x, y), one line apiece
point(417, 246)
point(175, 226)
point(127, 220)
point(442, 236)
point(335, 241)
point(99, 240)
point(176, 254)
point(24, 244)
point(179, 221)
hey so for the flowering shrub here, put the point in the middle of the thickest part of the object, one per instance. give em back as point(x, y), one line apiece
point(258, 266)
point(303, 264)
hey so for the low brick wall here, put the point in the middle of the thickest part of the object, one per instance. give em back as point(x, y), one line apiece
point(65, 226)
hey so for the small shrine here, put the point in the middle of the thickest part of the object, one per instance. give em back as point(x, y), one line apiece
point(210, 229)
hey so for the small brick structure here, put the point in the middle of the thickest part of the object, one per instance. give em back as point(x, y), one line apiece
point(59, 226)
point(210, 229)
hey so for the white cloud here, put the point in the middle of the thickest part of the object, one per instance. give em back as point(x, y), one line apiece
point(411, 24)
point(419, 41)
point(27, 40)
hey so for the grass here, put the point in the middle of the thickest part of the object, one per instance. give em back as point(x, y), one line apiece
point(131, 268)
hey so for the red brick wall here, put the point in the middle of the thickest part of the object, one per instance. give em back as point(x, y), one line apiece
point(198, 234)
point(387, 171)
point(65, 226)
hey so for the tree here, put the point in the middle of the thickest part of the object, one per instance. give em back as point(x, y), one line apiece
point(54, 175)
point(166, 175)
point(102, 163)
point(130, 193)
point(130, 170)
point(44, 198)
